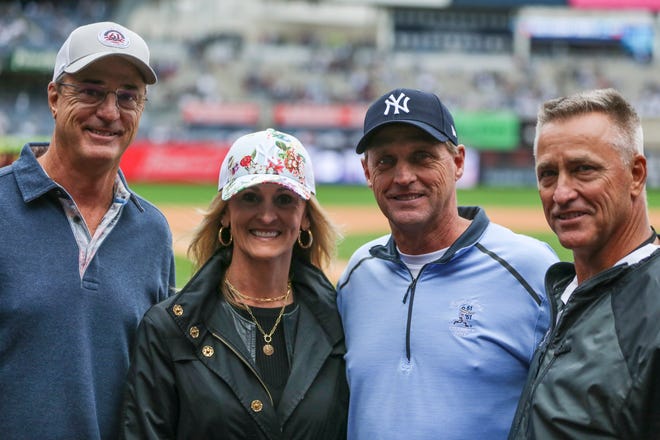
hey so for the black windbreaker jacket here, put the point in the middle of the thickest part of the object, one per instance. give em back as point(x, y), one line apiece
point(597, 375)
point(192, 376)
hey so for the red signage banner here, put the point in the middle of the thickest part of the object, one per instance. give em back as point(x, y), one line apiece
point(319, 115)
point(180, 162)
point(221, 114)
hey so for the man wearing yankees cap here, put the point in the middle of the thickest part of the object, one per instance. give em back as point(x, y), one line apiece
point(443, 314)
point(82, 257)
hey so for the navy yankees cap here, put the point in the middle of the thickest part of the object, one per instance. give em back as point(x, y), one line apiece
point(409, 106)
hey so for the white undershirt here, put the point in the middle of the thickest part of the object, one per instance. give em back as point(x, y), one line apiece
point(416, 262)
point(631, 258)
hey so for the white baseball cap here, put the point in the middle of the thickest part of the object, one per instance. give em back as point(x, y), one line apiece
point(92, 42)
point(268, 156)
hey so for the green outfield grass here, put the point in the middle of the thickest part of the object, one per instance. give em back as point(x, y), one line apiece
point(352, 242)
point(201, 195)
point(341, 195)
point(184, 270)
point(351, 195)
point(332, 195)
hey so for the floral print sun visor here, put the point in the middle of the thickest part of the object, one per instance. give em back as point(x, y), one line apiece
point(268, 156)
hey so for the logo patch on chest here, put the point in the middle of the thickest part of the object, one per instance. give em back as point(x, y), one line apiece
point(464, 323)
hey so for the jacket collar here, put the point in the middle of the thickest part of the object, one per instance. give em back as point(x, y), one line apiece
point(33, 182)
point(467, 239)
point(560, 275)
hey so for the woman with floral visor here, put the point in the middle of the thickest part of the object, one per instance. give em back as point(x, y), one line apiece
point(252, 347)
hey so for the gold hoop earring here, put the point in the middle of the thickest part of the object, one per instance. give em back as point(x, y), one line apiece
point(310, 239)
point(222, 241)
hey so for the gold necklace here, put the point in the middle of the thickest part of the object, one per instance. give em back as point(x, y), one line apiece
point(268, 337)
point(235, 292)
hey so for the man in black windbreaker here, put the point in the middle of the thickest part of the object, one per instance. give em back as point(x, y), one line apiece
point(597, 373)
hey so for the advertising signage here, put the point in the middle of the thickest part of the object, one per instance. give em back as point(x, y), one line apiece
point(499, 131)
point(508, 3)
point(630, 33)
point(653, 5)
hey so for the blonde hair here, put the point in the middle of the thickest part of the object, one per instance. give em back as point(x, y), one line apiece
point(323, 249)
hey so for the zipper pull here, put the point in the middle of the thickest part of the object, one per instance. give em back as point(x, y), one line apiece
point(410, 288)
point(565, 347)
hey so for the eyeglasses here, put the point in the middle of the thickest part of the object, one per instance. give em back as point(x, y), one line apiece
point(94, 95)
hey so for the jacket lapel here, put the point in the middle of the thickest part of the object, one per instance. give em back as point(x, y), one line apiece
point(312, 348)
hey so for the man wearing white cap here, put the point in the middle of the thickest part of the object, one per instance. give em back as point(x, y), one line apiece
point(81, 256)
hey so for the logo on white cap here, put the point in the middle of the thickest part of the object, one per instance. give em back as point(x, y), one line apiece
point(113, 38)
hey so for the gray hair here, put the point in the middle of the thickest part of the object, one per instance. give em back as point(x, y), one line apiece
point(629, 138)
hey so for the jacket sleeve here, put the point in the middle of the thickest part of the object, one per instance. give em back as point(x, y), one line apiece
point(149, 409)
point(641, 416)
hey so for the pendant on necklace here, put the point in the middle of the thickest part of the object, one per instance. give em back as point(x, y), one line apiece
point(268, 349)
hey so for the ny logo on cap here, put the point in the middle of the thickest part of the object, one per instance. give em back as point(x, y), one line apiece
point(396, 104)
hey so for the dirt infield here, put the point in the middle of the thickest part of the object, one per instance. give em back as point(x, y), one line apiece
point(361, 220)
point(353, 220)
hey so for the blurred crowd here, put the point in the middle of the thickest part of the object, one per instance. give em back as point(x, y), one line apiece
point(46, 24)
point(310, 68)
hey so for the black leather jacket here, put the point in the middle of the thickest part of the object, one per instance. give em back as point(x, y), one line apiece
point(193, 377)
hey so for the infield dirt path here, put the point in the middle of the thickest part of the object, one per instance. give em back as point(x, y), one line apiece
point(353, 220)
point(350, 220)
point(363, 220)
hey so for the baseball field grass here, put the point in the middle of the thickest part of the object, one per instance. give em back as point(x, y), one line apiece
point(343, 195)
point(517, 208)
